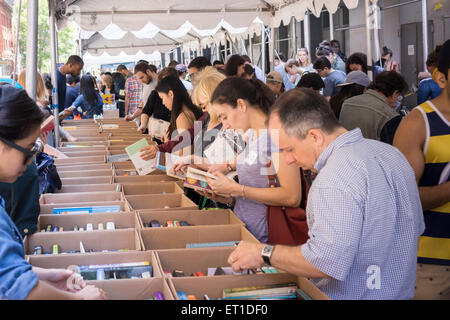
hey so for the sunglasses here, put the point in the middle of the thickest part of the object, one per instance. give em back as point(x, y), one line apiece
point(29, 153)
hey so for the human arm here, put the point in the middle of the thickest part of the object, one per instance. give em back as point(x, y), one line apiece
point(287, 194)
point(136, 114)
point(410, 139)
point(144, 122)
point(288, 258)
point(45, 291)
point(62, 279)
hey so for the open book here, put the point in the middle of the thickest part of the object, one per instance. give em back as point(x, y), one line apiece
point(48, 125)
point(166, 162)
point(143, 167)
point(158, 128)
point(196, 179)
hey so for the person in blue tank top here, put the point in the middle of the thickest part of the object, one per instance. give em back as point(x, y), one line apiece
point(20, 120)
point(424, 138)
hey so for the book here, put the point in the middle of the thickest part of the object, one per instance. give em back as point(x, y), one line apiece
point(158, 127)
point(79, 210)
point(225, 147)
point(196, 179)
point(213, 244)
point(135, 270)
point(166, 162)
point(279, 291)
point(143, 167)
point(119, 158)
point(48, 125)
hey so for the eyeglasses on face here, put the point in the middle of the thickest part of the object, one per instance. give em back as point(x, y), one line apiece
point(29, 153)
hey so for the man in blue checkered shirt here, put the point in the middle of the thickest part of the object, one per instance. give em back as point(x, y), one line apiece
point(364, 212)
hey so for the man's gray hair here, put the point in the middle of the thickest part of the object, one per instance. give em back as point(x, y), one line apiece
point(301, 110)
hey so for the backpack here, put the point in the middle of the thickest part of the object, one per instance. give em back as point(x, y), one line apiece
point(48, 176)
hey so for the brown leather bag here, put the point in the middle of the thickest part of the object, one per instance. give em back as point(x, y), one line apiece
point(288, 226)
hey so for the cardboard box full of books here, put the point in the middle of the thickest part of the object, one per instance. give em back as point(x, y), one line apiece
point(154, 188)
point(74, 198)
point(172, 201)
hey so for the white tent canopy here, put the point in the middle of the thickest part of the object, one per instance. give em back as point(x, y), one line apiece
point(196, 24)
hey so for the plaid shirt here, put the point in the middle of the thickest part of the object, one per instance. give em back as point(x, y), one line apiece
point(134, 90)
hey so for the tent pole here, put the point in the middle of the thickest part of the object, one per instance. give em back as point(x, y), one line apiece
point(263, 48)
point(16, 51)
point(331, 26)
point(271, 48)
point(425, 32)
point(32, 34)
point(250, 41)
point(53, 57)
point(368, 40)
point(376, 25)
point(306, 32)
point(294, 36)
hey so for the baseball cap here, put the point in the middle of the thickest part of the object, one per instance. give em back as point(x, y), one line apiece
point(275, 77)
point(356, 77)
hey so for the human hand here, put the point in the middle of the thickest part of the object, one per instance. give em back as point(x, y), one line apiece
point(148, 152)
point(223, 184)
point(215, 197)
point(222, 168)
point(91, 293)
point(63, 279)
point(44, 137)
point(246, 256)
point(128, 118)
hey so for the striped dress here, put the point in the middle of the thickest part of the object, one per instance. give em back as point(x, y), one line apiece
point(434, 244)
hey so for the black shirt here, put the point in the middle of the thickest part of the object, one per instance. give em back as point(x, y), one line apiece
point(155, 107)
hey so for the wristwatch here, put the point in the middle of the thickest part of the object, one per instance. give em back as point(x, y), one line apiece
point(267, 253)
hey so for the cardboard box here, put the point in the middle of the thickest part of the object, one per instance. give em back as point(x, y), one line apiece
point(75, 198)
point(125, 239)
point(86, 180)
point(193, 260)
point(193, 217)
point(111, 114)
point(122, 220)
point(133, 173)
point(48, 208)
point(84, 144)
point(85, 173)
point(161, 201)
point(79, 160)
point(91, 138)
point(62, 261)
point(177, 238)
point(90, 188)
point(154, 188)
point(213, 286)
point(148, 179)
point(91, 153)
point(82, 149)
point(127, 165)
point(87, 167)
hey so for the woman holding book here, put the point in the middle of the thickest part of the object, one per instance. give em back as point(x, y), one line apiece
point(20, 121)
point(244, 105)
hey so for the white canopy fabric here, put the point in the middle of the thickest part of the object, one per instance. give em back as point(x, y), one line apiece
point(195, 24)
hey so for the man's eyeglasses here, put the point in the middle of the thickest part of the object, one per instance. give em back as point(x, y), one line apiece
point(29, 153)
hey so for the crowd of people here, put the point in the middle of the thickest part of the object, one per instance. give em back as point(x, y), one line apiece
point(314, 133)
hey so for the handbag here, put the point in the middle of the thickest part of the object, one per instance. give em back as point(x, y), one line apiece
point(288, 226)
point(48, 177)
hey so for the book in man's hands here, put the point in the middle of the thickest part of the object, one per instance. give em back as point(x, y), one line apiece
point(143, 167)
point(48, 125)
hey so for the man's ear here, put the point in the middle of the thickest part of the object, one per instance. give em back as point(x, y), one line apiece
point(440, 79)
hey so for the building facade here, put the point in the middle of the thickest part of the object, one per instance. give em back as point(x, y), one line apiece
point(6, 38)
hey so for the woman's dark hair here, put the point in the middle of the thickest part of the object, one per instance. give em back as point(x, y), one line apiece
point(19, 114)
point(167, 71)
point(249, 70)
point(254, 91)
point(386, 51)
point(324, 51)
point(231, 68)
point(356, 58)
point(346, 92)
point(88, 90)
point(180, 98)
point(387, 82)
point(311, 80)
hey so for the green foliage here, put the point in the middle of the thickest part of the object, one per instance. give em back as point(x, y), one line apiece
point(66, 37)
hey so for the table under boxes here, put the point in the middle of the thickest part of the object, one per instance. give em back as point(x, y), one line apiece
point(139, 237)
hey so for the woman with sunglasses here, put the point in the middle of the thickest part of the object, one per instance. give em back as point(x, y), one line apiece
point(20, 120)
